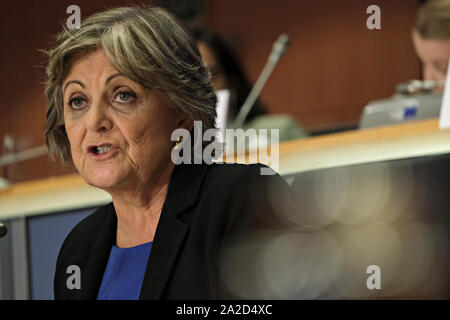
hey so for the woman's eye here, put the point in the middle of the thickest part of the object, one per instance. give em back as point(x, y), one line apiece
point(77, 103)
point(124, 96)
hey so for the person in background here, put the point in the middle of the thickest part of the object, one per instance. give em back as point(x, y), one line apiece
point(227, 73)
point(431, 38)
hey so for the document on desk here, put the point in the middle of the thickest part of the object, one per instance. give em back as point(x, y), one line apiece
point(444, 118)
point(223, 98)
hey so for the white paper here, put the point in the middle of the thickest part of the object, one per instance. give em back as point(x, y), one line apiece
point(223, 96)
point(444, 118)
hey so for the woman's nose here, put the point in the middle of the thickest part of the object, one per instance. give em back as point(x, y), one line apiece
point(98, 118)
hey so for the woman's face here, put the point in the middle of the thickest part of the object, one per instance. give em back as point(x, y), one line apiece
point(434, 55)
point(119, 131)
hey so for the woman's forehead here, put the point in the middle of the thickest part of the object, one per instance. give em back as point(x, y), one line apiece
point(432, 49)
point(93, 64)
point(92, 59)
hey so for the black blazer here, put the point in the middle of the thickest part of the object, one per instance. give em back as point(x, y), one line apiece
point(207, 208)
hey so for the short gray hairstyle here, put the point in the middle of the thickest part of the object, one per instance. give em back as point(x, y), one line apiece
point(149, 46)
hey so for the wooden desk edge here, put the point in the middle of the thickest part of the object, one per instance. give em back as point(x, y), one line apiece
point(416, 128)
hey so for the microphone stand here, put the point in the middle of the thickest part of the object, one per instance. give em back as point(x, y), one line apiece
point(279, 47)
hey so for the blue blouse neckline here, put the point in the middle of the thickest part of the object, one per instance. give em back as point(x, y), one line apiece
point(124, 273)
point(134, 247)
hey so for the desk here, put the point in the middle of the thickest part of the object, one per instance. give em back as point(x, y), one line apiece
point(401, 141)
point(353, 147)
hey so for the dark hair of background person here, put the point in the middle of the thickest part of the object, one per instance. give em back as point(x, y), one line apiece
point(236, 80)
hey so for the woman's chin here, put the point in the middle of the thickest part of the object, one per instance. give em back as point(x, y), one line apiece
point(103, 180)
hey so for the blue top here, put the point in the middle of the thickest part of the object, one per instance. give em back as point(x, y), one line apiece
point(124, 273)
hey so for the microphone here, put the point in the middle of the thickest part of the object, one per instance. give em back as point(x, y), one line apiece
point(279, 47)
point(3, 230)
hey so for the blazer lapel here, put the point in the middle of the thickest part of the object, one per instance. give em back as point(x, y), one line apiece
point(165, 248)
point(171, 230)
point(93, 264)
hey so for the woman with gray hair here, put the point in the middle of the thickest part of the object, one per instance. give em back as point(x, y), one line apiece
point(117, 88)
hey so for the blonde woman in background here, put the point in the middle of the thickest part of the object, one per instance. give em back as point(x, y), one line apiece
point(431, 38)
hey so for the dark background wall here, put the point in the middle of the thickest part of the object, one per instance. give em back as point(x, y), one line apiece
point(334, 66)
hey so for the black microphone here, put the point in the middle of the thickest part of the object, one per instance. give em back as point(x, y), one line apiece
point(3, 230)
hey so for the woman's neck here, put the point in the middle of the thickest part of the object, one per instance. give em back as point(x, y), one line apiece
point(138, 210)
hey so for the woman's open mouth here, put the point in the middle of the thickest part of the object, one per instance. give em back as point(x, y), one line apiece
point(102, 151)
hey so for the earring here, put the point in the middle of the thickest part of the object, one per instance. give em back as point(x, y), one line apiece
point(177, 143)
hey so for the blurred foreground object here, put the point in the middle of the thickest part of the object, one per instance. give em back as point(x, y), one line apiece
point(389, 214)
point(369, 197)
point(392, 214)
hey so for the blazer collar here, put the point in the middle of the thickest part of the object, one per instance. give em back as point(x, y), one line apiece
point(170, 233)
point(184, 187)
point(93, 263)
point(183, 191)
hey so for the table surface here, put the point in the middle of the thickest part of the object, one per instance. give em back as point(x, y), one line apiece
point(412, 139)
